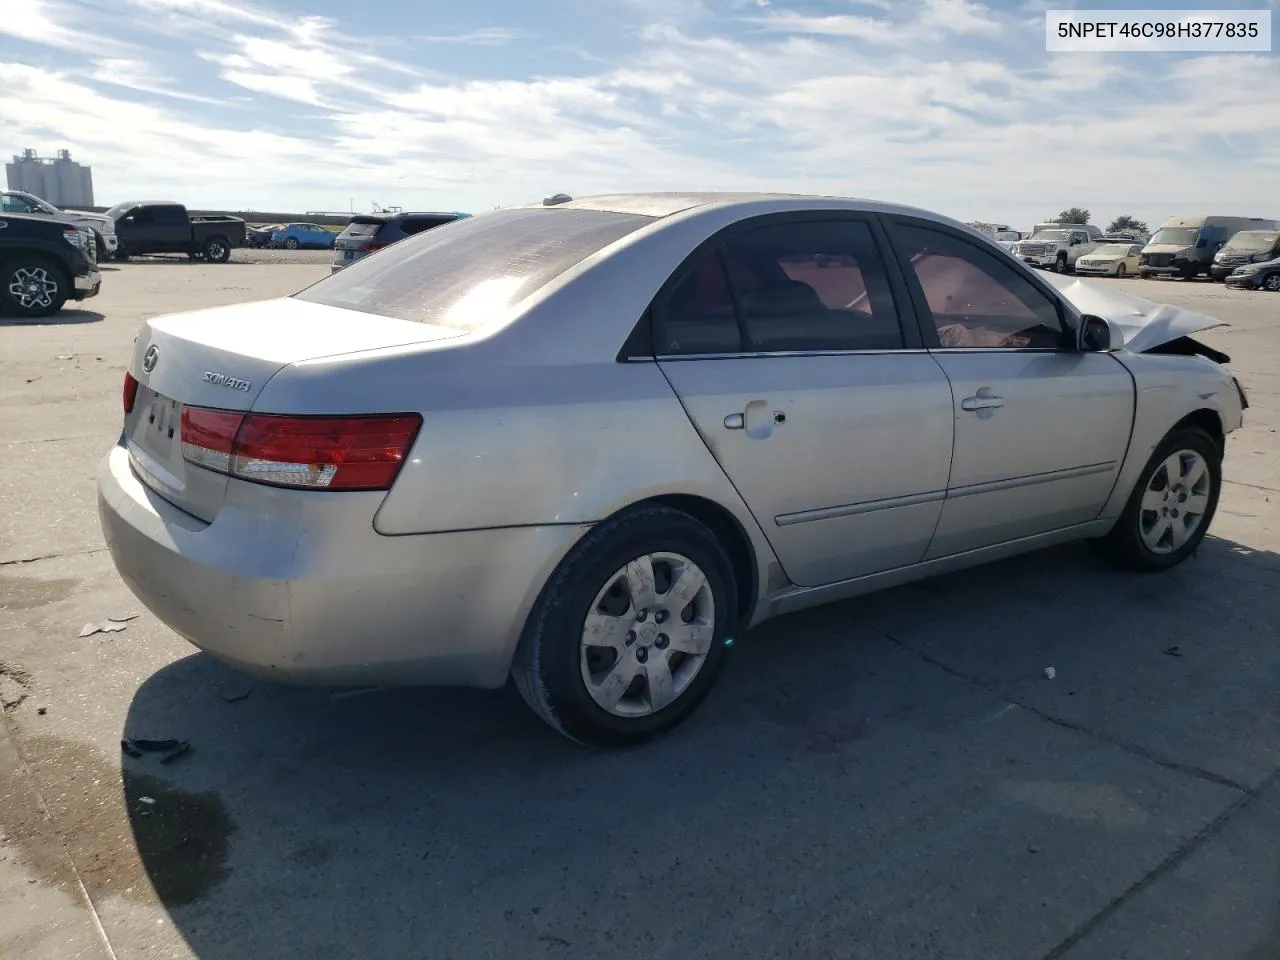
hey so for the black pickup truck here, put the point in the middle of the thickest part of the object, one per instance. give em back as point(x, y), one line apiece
point(158, 227)
point(44, 263)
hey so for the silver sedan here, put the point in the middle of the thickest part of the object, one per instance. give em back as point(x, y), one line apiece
point(588, 442)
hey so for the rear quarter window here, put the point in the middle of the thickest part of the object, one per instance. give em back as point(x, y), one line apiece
point(463, 273)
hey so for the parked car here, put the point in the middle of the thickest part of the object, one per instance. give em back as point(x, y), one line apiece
point(162, 227)
point(1257, 276)
point(1058, 246)
point(1139, 238)
point(1185, 246)
point(260, 236)
point(1111, 260)
point(587, 444)
point(1247, 246)
point(44, 263)
point(368, 232)
point(293, 236)
point(103, 230)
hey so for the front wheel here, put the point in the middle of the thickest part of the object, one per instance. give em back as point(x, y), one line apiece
point(1172, 505)
point(33, 287)
point(629, 634)
point(1120, 272)
point(1060, 264)
point(1272, 282)
point(217, 250)
point(291, 243)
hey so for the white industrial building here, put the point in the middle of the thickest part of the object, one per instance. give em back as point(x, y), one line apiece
point(60, 180)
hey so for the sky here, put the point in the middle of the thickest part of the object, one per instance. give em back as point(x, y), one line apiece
point(950, 105)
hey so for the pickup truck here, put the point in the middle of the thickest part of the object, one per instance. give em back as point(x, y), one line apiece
point(44, 263)
point(18, 201)
point(1058, 246)
point(161, 227)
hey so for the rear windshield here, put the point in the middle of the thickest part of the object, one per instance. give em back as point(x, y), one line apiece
point(463, 273)
point(362, 228)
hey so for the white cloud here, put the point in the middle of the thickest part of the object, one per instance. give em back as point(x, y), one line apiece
point(948, 108)
point(38, 22)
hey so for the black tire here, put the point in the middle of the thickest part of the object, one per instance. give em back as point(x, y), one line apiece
point(1060, 264)
point(121, 254)
point(291, 243)
point(216, 250)
point(547, 668)
point(100, 246)
point(19, 279)
point(1271, 282)
point(1121, 272)
point(194, 255)
point(1124, 544)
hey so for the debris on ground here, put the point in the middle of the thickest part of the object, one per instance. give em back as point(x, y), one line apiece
point(172, 749)
point(32, 379)
point(42, 710)
point(66, 356)
point(237, 695)
point(1050, 672)
point(109, 625)
point(1173, 651)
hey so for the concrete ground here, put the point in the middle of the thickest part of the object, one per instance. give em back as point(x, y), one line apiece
point(889, 777)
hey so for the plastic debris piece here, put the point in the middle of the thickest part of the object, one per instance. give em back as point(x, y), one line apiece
point(237, 696)
point(66, 356)
point(149, 801)
point(1050, 672)
point(172, 749)
point(42, 710)
point(110, 625)
point(1173, 651)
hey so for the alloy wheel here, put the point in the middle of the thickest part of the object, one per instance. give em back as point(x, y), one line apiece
point(33, 288)
point(647, 634)
point(1174, 501)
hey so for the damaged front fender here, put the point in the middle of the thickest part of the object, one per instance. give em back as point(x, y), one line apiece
point(1147, 325)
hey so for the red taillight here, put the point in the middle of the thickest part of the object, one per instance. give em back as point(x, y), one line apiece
point(317, 453)
point(208, 437)
point(369, 246)
point(130, 392)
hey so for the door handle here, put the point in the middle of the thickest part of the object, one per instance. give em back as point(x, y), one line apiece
point(737, 421)
point(981, 403)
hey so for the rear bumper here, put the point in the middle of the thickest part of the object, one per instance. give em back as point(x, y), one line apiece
point(299, 587)
point(87, 285)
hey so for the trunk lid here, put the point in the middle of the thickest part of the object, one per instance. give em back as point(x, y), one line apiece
point(222, 358)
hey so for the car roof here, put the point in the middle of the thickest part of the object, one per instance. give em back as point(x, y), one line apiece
point(659, 205)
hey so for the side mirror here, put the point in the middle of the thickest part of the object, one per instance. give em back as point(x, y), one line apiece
point(1202, 242)
point(1099, 335)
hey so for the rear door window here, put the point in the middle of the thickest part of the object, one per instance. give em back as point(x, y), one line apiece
point(168, 216)
point(412, 225)
point(809, 286)
point(463, 273)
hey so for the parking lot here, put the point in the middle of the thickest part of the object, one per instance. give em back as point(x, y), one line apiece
point(895, 776)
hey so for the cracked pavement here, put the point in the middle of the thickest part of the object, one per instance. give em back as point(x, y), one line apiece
point(889, 777)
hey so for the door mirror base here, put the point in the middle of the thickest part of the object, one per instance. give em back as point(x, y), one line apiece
point(1099, 335)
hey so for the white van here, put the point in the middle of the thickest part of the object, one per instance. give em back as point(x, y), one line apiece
point(1184, 246)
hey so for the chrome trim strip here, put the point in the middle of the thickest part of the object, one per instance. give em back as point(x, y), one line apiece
point(853, 509)
point(741, 355)
point(1031, 480)
point(911, 500)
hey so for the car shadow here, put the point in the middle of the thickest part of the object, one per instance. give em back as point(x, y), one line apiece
point(65, 317)
point(307, 822)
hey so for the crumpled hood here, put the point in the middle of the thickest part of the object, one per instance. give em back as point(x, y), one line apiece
point(1145, 323)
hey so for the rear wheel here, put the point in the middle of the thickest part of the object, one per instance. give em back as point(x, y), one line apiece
point(1172, 505)
point(217, 250)
point(630, 632)
point(291, 243)
point(33, 287)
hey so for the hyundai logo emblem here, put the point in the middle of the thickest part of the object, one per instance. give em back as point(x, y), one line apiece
point(149, 358)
